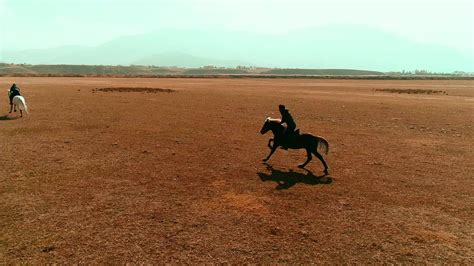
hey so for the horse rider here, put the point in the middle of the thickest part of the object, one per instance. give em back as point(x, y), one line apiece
point(14, 91)
point(287, 119)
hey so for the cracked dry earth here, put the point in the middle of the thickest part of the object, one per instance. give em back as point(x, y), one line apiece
point(121, 176)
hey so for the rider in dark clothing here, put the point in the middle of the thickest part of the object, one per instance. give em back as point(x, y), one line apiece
point(14, 91)
point(288, 120)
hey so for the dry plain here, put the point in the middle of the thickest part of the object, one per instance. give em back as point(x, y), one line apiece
point(122, 176)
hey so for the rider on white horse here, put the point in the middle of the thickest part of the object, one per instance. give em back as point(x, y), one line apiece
point(14, 91)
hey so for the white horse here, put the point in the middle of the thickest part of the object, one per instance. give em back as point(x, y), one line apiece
point(18, 101)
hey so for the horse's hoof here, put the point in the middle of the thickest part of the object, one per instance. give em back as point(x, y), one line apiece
point(264, 160)
point(301, 166)
point(326, 172)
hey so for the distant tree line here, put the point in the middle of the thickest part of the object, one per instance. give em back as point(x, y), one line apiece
point(423, 72)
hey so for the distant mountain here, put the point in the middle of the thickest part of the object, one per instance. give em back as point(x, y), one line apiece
point(186, 60)
point(64, 54)
point(349, 47)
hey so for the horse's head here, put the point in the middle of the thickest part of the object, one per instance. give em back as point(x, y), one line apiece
point(265, 126)
point(268, 124)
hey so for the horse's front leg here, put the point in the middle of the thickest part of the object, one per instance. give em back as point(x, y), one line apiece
point(273, 149)
point(270, 143)
point(11, 108)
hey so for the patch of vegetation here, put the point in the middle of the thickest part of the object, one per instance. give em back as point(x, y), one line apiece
point(413, 91)
point(132, 89)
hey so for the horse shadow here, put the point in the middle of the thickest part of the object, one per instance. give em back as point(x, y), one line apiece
point(6, 118)
point(288, 179)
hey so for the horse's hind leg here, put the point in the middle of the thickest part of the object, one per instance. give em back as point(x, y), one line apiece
point(21, 113)
point(308, 152)
point(320, 157)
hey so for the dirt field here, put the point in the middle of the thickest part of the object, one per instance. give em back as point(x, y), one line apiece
point(93, 176)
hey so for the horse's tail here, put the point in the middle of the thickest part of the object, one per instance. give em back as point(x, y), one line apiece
point(323, 143)
point(22, 103)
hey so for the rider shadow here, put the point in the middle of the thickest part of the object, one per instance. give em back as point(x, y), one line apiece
point(288, 179)
point(6, 118)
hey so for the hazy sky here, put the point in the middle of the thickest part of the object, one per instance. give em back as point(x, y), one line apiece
point(51, 23)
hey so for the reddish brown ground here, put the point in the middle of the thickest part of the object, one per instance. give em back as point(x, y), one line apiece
point(177, 177)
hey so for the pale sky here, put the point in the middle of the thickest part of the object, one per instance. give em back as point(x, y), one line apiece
point(26, 24)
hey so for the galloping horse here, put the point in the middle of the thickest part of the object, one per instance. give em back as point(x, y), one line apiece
point(18, 101)
point(303, 141)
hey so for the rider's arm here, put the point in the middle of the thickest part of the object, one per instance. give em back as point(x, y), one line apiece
point(283, 118)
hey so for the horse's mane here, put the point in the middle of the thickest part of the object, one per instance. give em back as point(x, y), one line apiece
point(274, 120)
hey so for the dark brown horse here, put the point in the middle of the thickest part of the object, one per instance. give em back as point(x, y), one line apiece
point(303, 141)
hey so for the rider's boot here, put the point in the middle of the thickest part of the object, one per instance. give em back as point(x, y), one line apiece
point(284, 145)
point(290, 140)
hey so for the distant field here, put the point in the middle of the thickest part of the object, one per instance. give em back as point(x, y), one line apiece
point(103, 171)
